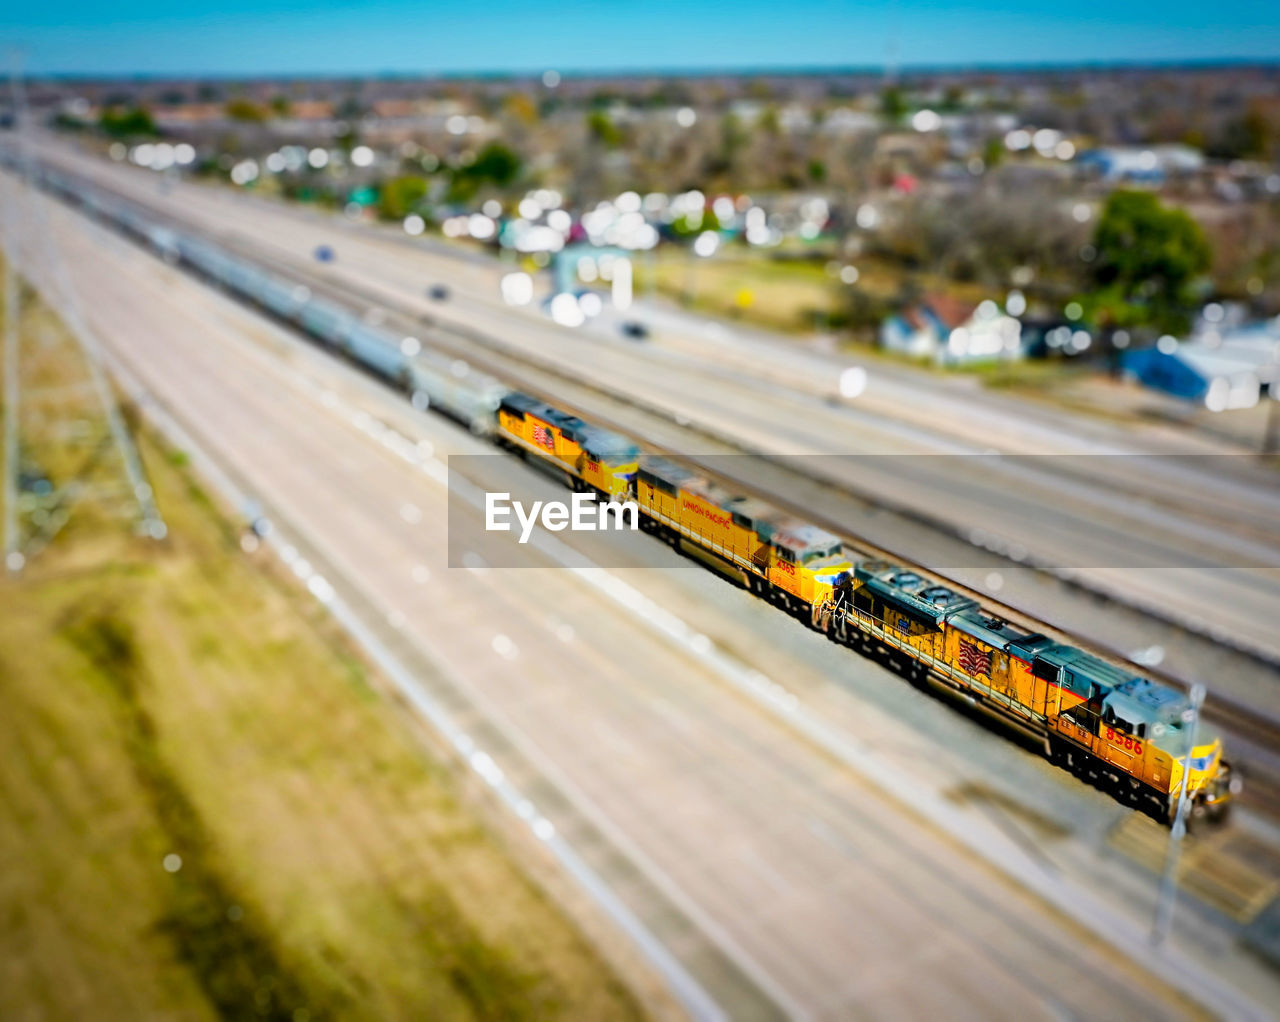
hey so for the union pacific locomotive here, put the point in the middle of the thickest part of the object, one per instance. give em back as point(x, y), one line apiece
point(1118, 730)
point(1122, 732)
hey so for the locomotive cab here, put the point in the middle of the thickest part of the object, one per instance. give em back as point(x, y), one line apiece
point(608, 462)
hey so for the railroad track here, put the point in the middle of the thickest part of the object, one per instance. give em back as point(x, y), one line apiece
point(765, 475)
point(449, 335)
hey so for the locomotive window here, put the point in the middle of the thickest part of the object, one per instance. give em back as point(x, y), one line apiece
point(862, 601)
point(1045, 670)
point(1085, 717)
point(784, 554)
point(814, 555)
point(1118, 723)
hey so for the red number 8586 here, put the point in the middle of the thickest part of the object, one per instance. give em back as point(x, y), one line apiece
point(1128, 741)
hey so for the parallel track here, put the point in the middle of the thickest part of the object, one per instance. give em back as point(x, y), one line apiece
point(771, 478)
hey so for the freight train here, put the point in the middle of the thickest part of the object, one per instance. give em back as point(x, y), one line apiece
point(1116, 729)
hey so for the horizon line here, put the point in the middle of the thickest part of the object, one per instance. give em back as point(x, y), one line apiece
point(779, 70)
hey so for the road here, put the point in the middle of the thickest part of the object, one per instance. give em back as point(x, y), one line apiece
point(1194, 536)
point(782, 878)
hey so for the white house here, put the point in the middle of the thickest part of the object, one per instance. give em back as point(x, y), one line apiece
point(952, 333)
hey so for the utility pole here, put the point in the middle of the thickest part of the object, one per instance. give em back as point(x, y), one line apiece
point(12, 555)
point(36, 229)
point(13, 558)
point(1271, 428)
point(1168, 896)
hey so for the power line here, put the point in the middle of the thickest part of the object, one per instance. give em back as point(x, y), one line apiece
point(62, 294)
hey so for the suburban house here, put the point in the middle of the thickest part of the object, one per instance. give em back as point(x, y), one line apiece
point(951, 332)
point(1135, 163)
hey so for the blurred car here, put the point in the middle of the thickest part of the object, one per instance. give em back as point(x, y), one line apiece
point(634, 329)
point(323, 254)
point(438, 293)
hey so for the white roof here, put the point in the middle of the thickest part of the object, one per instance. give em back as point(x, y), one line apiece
point(1216, 361)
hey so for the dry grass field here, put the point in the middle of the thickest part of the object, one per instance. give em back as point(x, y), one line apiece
point(207, 809)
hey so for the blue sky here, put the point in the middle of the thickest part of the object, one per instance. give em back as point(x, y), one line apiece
point(300, 37)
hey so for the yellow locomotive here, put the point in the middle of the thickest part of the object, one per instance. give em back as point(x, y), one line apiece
point(1116, 729)
point(794, 564)
point(1120, 731)
point(592, 458)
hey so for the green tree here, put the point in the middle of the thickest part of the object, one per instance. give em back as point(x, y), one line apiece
point(401, 196)
point(695, 223)
point(1148, 255)
point(992, 152)
point(495, 164)
point(602, 129)
point(893, 104)
point(127, 122)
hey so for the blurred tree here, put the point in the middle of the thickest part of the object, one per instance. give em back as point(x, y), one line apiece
point(721, 165)
point(695, 223)
point(769, 122)
point(860, 312)
point(346, 137)
point(522, 108)
point(990, 235)
point(992, 152)
point(401, 196)
point(495, 164)
point(1147, 256)
point(128, 122)
point(733, 137)
point(893, 104)
point(602, 129)
point(242, 109)
point(952, 99)
point(817, 171)
point(1247, 136)
point(280, 105)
